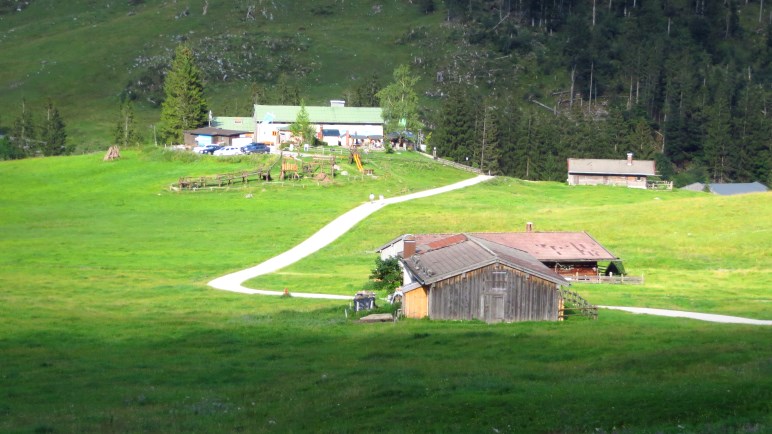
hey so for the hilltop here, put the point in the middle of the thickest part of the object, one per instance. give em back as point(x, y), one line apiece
point(687, 85)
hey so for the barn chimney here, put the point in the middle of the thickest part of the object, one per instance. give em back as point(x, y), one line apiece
point(408, 246)
point(529, 227)
point(629, 158)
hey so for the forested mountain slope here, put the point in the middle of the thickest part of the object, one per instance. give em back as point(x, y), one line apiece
point(513, 86)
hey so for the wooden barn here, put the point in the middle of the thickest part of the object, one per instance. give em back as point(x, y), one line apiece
point(626, 173)
point(465, 277)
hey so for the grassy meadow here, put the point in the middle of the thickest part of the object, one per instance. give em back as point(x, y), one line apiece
point(107, 325)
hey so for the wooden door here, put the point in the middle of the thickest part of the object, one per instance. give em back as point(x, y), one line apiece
point(492, 307)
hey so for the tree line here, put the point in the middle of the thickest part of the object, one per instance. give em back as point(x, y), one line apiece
point(686, 83)
point(36, 132)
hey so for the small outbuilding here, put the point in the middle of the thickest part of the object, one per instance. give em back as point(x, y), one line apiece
point(211, 136)
point(466, 277)
point(626, 173)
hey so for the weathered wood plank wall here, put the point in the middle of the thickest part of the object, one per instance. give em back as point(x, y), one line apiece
point(524, 297)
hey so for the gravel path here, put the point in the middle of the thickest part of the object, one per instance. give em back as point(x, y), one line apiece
point(326, 235)
point(693, 315)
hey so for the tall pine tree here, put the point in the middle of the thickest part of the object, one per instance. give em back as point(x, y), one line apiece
point(53, 135)
point(126, 128)
point(184, 107)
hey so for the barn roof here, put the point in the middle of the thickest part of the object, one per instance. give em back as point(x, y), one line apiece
point(553, 246)
point(544, 246)
point(320, 114)
point(611, 167)
point(471, 253)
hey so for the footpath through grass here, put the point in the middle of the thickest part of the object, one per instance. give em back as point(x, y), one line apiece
point(107, 324)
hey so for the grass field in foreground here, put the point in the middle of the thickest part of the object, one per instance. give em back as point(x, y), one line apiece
point(106, 324)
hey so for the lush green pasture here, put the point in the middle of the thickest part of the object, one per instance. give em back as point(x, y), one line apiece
point(106, 323)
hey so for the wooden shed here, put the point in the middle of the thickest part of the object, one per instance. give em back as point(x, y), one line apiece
point(468, 277)
point(212, 136)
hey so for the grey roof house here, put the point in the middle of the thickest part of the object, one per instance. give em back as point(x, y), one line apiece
point(627, 173)
point(728, 189)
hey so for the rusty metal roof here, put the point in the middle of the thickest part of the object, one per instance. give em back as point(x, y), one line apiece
point(553, 246)
point(544, 246)
point(611, 167)
point(471, 253)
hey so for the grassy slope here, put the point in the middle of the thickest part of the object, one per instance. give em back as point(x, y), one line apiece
point(81, 54)
point(107, 324)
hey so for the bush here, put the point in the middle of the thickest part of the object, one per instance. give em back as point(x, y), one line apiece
point(387, 274)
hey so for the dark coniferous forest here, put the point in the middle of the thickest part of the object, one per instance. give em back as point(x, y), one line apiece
point(681, 81)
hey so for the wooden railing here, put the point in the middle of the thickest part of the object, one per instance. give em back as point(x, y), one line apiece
point(575, 304)
point(624, 280)
point(659, 185)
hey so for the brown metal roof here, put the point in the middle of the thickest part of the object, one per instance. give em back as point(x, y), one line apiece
point(611, 167)
point(473, 253)
point(544, 246)
point(553, 246)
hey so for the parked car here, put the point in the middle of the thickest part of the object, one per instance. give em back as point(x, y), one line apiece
point(256, 148)
point(228, 150)
point(208, 149)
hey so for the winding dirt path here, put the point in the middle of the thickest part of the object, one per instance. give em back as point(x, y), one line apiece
point(326, 235)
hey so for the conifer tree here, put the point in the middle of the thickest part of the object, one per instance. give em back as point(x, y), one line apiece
point(53, 135)
point(302, 128)
point(455, 135)
point(126, 127)
point(23, 133)
point(490, 152)
point(184, 106)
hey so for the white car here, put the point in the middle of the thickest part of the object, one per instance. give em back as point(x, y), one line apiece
point(228, 150)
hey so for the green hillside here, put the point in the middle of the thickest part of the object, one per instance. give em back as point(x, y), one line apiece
point(86, 55)
point(108, 325)
point(687, 85)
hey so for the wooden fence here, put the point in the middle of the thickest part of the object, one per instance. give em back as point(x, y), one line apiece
point(659, 185)
point(622, 280)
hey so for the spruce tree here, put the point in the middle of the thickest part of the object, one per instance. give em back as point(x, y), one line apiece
point(301, 128)
point(455, 135)
point(126, 127)
point(184, 106)
point(23, 133)
point(53, 135)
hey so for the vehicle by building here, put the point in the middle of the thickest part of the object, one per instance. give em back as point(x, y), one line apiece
point(208, 149)
point(256, 148)
point(227, 150)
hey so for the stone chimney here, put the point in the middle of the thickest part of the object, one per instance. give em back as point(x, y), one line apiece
point(529, 227)
point(629, 158)
point(408, 246)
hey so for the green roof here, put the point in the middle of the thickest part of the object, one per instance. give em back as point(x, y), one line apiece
point(321, 115)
